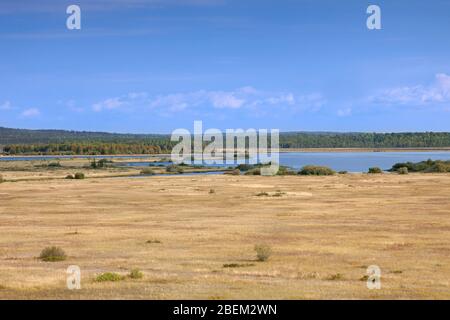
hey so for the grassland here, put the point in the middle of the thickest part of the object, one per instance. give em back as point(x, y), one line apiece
point(192, 243)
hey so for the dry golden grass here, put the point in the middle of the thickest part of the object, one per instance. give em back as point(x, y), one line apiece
point(319, 229)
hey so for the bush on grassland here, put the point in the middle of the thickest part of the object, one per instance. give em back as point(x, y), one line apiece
point(244, 167)
point(253, 172)
point(135, 274)
point(402, 170)
point(147, 171)
point(427, 166)
point(343, 172)
point(234, 172)
point(174, 169)
point(54, 165)
point(263, 252)
point(285, 171)
point(102, 163)
point(79, 175)
point(316, 171)
point(70, 176)
point(375, 170)
point(109, 276)
point(439, 166)
point(52, 254)
point(1, 179)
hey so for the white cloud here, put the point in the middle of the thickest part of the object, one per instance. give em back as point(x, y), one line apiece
point(344, 112)
point(241, 98)
point(225, 100)
point(108, 104)
point(6, 106)
point(437, 92)
point(128, 100)
point(32, 112)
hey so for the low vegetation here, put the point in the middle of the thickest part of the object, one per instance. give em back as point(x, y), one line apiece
point(263, 252)
point(428, 166)
point(174, 169)
point(316, 171)
point(54, 165)
point(52, 254)
point(335, 277)
point(402, 170)
point(79, 176)
point(234, 172)
point(109, 277)
point(153, 241)
point(102, 163)
point(1, 179)
point(375, 170)
point(135, 274)
point(238, 265)
point(147, 171)
point(285, 171)
point(253, 172)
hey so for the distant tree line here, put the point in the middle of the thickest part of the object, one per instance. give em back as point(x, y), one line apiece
point(93, 148)
point(365, 140)
point(18, 141)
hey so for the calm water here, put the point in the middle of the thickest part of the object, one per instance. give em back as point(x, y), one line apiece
point(349, 161)
point(358, 161)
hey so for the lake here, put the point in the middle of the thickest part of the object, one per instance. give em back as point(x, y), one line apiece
point(339, 161)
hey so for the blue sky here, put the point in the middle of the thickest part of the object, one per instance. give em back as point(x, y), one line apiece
point(151, 66)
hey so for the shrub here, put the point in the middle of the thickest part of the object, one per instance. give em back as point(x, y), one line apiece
point(109, 276)
point(174, 169)
point(79, 175)
point(1, 179)
point(100, 163)
point(262, 194)
point(263, 252)
point(153, 241)
point(343, 172)
point(375, 170)
point(316, 171)
point(439, 166)
point(336, 276)
point(51, 254)
point(238, 265)
point(364, 278)
point(54, 165)
point(244, 167)
point(69, 176)
point(147, 171)
point(211, 191)
point(253, 172)
point(402, 170)
point(136, 274)
point(235, 172)
point(285, 171)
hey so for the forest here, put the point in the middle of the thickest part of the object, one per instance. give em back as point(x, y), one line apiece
point(19, 141)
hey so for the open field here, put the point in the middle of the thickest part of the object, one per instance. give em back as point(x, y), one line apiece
point(324, 232)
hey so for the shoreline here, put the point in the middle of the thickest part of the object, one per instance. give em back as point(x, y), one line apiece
point(356, 150)
point(282, 150)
